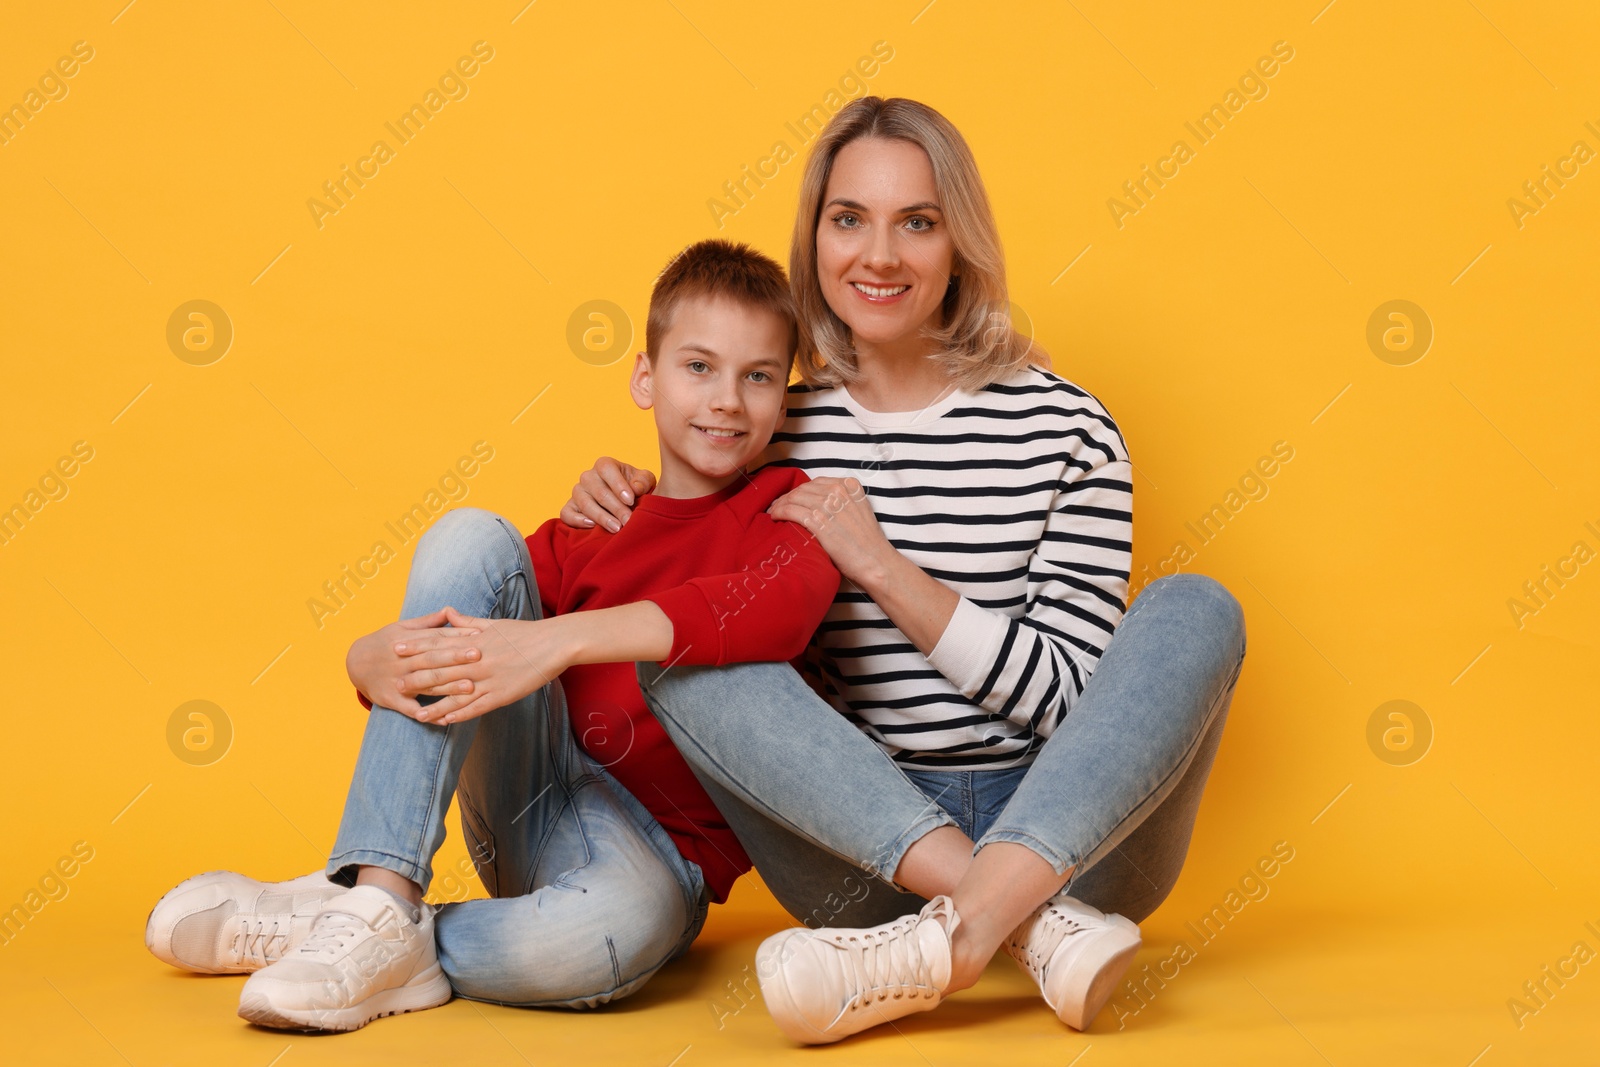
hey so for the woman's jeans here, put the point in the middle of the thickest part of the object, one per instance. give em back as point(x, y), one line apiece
point(589, 894)
point(826, 816)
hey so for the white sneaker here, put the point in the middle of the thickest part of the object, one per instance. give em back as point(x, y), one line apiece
point(225, 923)
point(823, 985)
point(1076, 953)
point(363, 959)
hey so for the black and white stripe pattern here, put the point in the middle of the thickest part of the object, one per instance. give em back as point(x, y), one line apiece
point(1020, 498)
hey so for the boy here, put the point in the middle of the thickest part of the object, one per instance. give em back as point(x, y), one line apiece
point(599, 847)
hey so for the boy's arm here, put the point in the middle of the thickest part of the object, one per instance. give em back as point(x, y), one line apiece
point(766, 611)
point(375, 666)
point(621, 634)
point(519, 656)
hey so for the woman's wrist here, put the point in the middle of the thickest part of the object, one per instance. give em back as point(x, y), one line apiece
point(917, 603)
point(877, 576)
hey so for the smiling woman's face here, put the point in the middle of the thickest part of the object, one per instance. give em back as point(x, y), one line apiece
point(884, 254)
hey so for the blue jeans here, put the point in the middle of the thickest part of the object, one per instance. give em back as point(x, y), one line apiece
point(826, 816)
point(589, 894)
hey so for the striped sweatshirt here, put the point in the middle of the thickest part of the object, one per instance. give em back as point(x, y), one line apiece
point(1019, 497)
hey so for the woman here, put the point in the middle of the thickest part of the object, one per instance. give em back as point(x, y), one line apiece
point(972, 737)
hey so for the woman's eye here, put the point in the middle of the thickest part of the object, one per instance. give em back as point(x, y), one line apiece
point(927, 224)
point(846, 220)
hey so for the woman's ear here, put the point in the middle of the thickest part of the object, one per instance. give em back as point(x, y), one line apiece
point(639, 384)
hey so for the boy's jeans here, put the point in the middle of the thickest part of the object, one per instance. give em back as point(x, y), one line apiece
point(590, 895)
point(826, 816)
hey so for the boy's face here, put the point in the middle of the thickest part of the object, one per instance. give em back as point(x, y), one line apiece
point(717, 388)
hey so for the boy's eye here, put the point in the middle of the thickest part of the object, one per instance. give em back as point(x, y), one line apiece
point(760, 375)
point(697, 365)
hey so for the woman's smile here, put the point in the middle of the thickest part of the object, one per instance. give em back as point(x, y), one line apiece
point(880, 294)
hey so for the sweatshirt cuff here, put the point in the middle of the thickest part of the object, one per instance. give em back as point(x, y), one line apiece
point(967, 649)
point(696, 638)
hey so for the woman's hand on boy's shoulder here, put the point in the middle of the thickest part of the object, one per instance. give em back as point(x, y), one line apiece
point(837, 513)
point(605, 494)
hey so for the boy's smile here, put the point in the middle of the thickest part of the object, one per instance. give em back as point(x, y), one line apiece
point(717, 389)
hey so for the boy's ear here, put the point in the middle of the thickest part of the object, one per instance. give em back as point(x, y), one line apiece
point(639, 385)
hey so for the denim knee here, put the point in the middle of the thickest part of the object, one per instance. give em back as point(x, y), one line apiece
point(584, 964)
point(1210, 603)
point(466, 532)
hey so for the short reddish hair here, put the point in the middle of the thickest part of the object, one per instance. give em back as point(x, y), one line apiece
point(718, 268)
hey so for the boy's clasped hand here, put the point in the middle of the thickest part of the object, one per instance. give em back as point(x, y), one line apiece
point(473, 665)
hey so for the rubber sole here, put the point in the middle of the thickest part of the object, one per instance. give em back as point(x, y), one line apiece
point(1094, 978)
point(428, 990)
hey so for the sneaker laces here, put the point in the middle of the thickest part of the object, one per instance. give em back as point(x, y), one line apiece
point(890, 963)
point(331, 933)
point(1045, 934)
point(256, 939)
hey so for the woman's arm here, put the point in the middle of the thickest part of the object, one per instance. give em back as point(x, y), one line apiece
point(1032, 670)
point(605, 494)
point(838, 515)
point(1029, 670)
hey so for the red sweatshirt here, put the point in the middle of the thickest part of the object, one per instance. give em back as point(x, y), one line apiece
point(738, 586)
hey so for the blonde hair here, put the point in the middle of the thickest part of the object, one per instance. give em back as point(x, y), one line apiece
point(979, 344)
